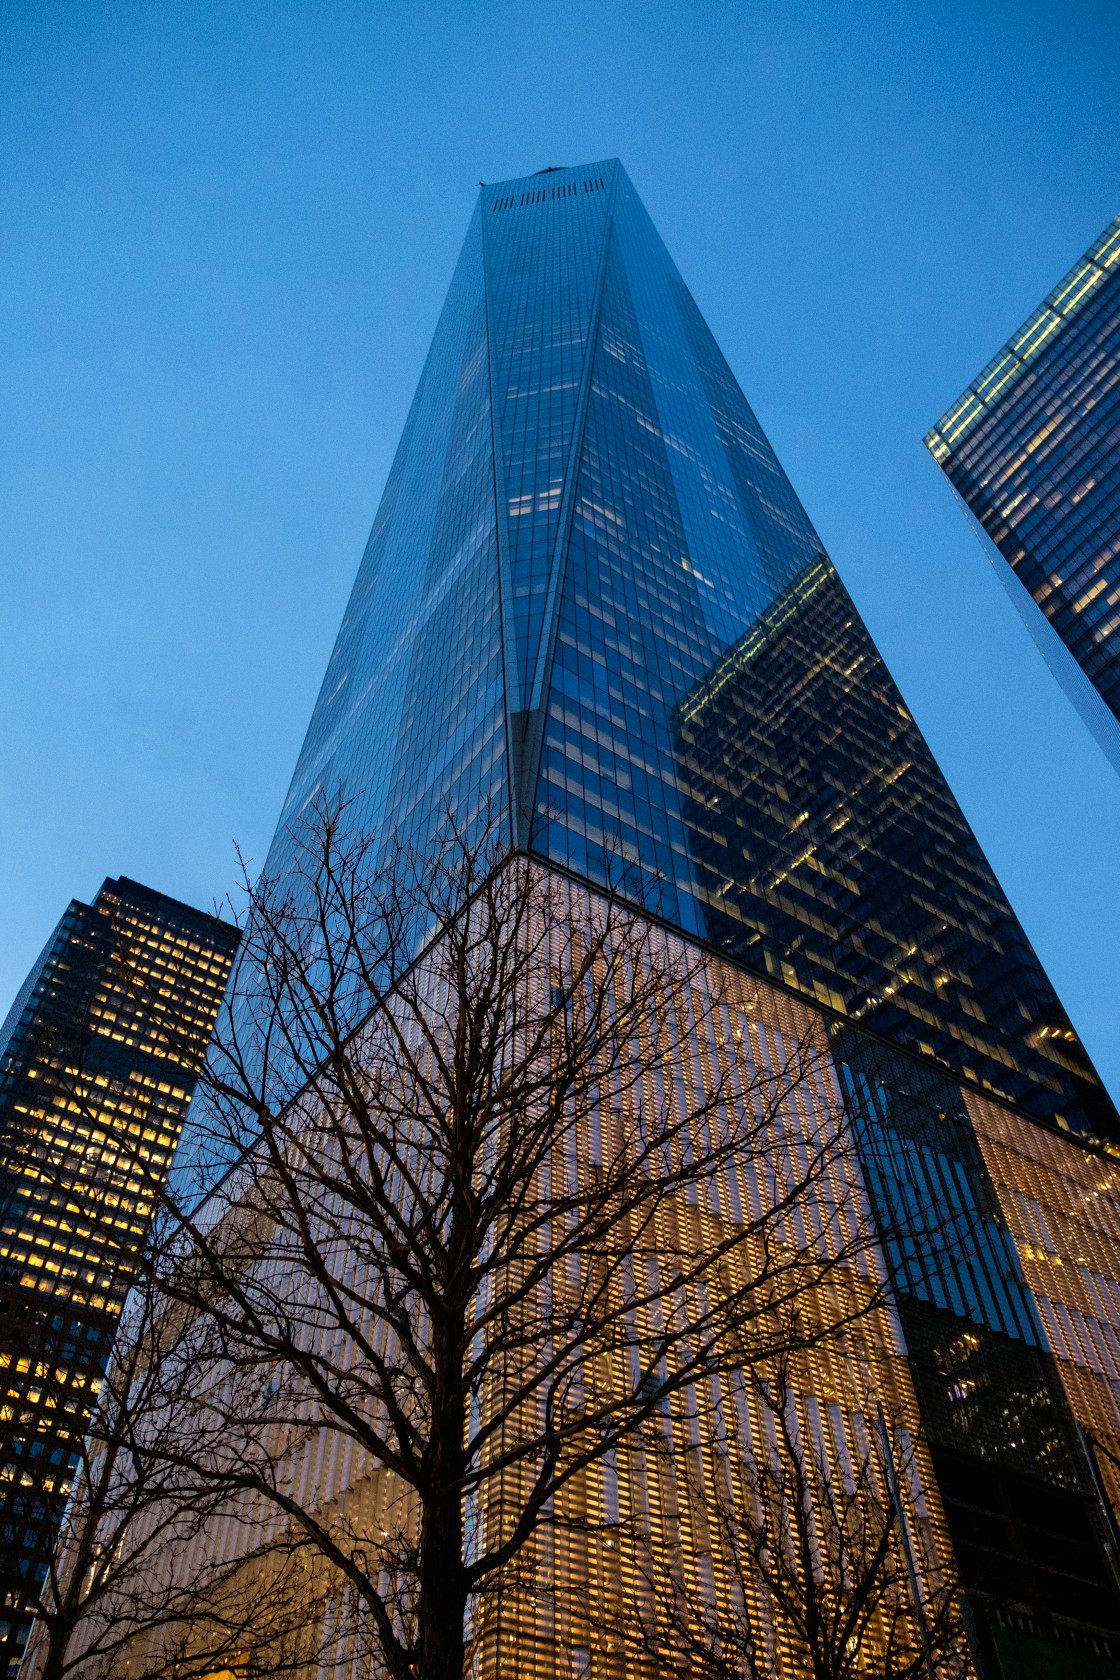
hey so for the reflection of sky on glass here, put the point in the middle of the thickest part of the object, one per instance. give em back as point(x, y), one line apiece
point(410, 715)
point(589, 564)
point(227, 241)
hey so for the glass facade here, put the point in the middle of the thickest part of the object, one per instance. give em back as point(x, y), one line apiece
point(411, 715)
point(592, 602)
point(88, 1082)
point(592, 597)
point(1004, 1422)
point(1032, 448)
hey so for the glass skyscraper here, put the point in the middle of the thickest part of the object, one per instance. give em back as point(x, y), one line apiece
point(92, 1101)
point(592, 601)
point(1032, 448)
point(591, 594)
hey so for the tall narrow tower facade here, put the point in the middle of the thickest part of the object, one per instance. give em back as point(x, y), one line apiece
point(93, 1097)
point(592, 597)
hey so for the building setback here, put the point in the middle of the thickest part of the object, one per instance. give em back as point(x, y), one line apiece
point(1032, 448)
point(92, 1101)
point(592, 598)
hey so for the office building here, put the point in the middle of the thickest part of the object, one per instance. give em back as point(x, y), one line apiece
point(643, 643)
point(1032, 448)
point(591, 598)
point(93, 1096)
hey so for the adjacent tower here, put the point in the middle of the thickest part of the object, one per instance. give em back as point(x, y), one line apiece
point(1032, 449)
point(93, 1098)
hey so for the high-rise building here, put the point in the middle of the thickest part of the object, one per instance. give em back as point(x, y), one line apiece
point(591, 599)
point(591, 593)
point(93, 1098)
point(1032, 448)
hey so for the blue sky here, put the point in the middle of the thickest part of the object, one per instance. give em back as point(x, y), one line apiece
point(225, 235)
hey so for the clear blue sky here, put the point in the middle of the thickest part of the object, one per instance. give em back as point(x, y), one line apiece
point(226, 234)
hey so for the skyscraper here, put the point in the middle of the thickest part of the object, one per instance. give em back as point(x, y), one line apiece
point(591, 593)
point(92, 1102)
point(591, 599)
point(1032, 448)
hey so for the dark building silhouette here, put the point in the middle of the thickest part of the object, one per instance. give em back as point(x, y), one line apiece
point(93, 1096)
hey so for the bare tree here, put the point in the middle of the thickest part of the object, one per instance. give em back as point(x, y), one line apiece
point(96, 1517)
point(830, 1570)
point(88, 1120)
point(517, 1174)
point(115, 1597)
point(103, 1576)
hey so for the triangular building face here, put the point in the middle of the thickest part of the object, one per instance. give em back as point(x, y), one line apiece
point(592, 597)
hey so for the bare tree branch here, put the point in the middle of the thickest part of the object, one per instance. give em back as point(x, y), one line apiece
point(519, 1175)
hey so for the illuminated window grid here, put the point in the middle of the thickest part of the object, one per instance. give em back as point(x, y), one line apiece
point(104, 1146)
point(835, 1393)
point(188, 979)
point(107, 1137)
point(1062, 1205)
point(23, 1381)
point(1065, 302)
point(1031, 450)
point(541, 1635)
point(92, 1103)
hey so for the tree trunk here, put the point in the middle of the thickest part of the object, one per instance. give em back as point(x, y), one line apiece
point(442, 1596)
point(54, 1657)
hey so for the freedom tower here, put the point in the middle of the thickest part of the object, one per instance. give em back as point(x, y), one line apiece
point(593, 611)
point(591, 597)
